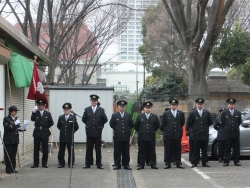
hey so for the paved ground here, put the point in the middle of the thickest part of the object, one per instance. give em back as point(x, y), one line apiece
point(216, 176)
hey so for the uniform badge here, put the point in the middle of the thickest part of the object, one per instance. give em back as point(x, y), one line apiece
point(196, 117)
point(226, 116)
point(117, 119)
point(141, 119)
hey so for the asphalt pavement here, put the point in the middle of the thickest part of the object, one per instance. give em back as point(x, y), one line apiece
point(202, 177)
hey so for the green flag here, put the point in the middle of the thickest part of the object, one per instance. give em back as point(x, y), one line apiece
point(22, 70)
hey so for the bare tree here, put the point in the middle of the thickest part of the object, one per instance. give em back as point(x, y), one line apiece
point(198, 39)
point(61, 19)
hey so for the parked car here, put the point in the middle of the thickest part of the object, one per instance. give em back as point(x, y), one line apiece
point(244, 138)
point(245, 112)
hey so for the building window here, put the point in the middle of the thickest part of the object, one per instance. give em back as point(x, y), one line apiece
point(123, 49)
point(111, 65)
point(123, 44)
point(123, 40)
point(123, 57)
point(131, 40)
point(130, 57)
point(119, 83)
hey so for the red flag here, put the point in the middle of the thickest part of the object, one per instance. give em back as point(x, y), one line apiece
point(36, 90)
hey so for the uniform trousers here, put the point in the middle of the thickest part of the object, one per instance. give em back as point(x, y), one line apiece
point(147, 147)
point(229, 142)
point(61, 153)
point(45, 147)
point(121, 148)
point(11, 149)
point(221, 149)
point(138, 157)
point(91, 142)
point(191, 148)
point(173, 151)
point(197, 146)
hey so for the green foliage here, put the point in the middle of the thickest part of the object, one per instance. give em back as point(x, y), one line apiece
point(133, 131)
point(240, 73)
point(233, 47)
point(129, 107)
point(164, 88)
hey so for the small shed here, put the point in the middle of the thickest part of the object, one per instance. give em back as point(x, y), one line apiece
point(79, 98)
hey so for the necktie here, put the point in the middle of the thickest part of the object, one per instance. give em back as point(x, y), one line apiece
point(174, 113)
point(200, 112)
point(232, 112)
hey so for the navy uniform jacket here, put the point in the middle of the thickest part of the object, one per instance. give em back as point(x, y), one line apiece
point(11, 135)
point(173, 125)
point(65, 127)
point(146, 127)
point(189, 131)
point(200, 125)
point(121, 126)
point(94, 121)
point(218, 126)
point(42, 124)
point(231, 123)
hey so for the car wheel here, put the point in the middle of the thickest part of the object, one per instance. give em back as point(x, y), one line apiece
point(215, 150)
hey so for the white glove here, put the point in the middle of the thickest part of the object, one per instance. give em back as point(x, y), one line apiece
point(34, 109)
point(17, 122)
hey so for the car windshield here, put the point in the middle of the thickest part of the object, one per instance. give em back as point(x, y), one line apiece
point(246, 117)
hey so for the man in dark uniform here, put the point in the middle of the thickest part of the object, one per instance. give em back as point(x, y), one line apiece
point(172, 122)
point(231, 120)
point(65, 125)
point(121, 122)
point(146, 125)
point(41, 133)
point(147, 162)
point(11, 124)
point(162, 129)
point(189, 133)
point(200, 120)
point(220, 136)
point(94, 117)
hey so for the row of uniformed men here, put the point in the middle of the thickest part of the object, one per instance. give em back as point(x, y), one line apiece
point(146, 125)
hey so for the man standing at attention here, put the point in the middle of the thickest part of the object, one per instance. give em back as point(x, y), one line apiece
point(231, 120)
point(172, 122)
point(41, 133)
point(94, 117)
point(200, 120)
point(146, 125)
point(65, 124)
point(121, 122)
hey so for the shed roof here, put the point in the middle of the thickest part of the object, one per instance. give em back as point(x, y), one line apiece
point(223, 85)
point(19, 40)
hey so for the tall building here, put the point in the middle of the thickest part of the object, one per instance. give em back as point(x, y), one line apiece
point(129, 41)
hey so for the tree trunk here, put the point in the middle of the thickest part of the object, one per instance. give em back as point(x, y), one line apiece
point(197, 80)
